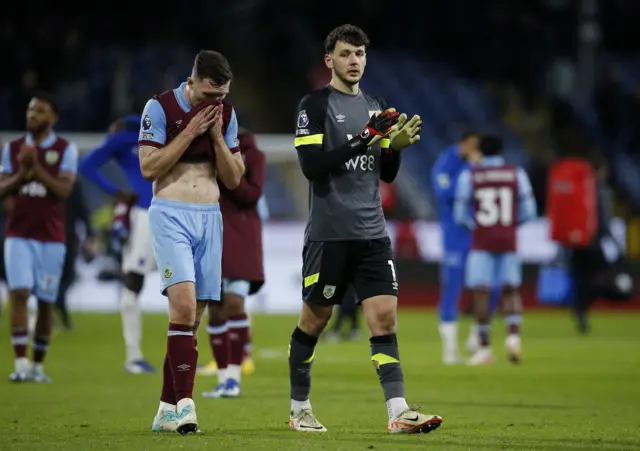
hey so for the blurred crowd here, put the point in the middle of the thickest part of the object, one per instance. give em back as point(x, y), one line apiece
point(96, 54)
point(618, 109)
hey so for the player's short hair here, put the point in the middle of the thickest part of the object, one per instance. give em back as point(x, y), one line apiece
point(346, 33)
point(212, 65)
point(490, 145)
point(469, 134)
point(49, 98)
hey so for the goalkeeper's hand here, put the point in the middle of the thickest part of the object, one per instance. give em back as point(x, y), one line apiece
point(403, 134)
point(379, 126)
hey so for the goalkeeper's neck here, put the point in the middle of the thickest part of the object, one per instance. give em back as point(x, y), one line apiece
point(346, 88)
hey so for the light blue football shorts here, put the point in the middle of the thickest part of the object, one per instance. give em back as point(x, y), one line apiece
point(35, 266)
point(488, 269)
point(187, 243)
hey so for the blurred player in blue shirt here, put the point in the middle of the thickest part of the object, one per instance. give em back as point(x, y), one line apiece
point(121, 146)
point(456, 239)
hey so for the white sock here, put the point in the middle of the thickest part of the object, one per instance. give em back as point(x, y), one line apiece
point(37, 367)
point(131, 324)
point(22, 365)
point(473, 340)
point(222, 375)
point(32, 305)
point(474, 330)
point(513, 340)
point(234, 372)
point(449, 336)
point(395, 406)
point(297, 406)
point(165, 406)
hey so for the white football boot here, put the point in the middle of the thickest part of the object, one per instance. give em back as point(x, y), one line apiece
point(451, 357)
point(513, 347)
point(413, 422)
point(305, 421)
point(23, 371)
point(217, 392)
point(165, 421)
point(483, 356)
point(187, 418)
point(231, 389)
point(38, 375)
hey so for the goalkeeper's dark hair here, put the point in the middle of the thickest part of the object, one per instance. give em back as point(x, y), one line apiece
point(49, 98)
point(346, 33)
point(212, 65)
point(490, 145)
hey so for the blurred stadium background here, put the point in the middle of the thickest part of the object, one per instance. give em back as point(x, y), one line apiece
point(544, 74)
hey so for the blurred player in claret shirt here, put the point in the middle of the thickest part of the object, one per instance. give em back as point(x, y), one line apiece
point(492, 199)
point(188, 141)
point(242, 270)
point(38, 171)
point(131, 227)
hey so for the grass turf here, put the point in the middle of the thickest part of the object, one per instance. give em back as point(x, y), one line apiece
point(571, 392)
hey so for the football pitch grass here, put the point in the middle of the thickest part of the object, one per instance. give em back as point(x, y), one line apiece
point(571, 392)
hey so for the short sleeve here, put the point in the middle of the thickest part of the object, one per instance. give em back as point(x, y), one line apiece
point(231, 136)
point(464, 190)
point(6, 160)
point(263, 208)
point(310, 121)
point(153, 127)
point(524, 184)
point(69, 161)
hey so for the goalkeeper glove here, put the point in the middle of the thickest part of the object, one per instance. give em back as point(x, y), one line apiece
point(403, 134)
point(379, 126)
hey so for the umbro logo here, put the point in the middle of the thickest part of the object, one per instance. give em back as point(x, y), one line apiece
point(184, 367)
point(340, 118)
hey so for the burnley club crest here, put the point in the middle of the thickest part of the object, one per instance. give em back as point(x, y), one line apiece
point(329, 291)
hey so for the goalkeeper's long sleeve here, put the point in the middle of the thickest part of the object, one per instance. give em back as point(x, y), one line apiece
point(389, 165)
point(317, 163)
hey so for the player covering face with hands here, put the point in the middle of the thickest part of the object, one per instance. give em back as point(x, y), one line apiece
point(188, 140)
point(346, 242)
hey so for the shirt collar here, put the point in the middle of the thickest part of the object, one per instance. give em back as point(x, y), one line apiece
point(493, 160)
point(181, 98)
point(47, 142)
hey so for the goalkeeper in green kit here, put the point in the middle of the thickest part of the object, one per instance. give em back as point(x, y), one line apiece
point(347, 141)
